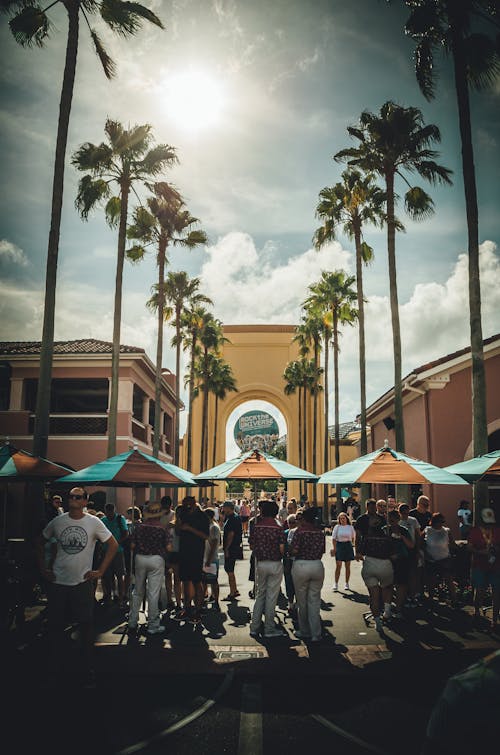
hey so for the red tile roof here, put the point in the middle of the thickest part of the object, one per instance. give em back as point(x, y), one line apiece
point(81, 346)
point(449, 357)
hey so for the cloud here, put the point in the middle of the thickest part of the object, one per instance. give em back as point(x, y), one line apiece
point(246, 287)
point(12, 254)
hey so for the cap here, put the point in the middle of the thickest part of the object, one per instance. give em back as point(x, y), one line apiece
point(152, 511)
point(229, 504)
point(488, 516)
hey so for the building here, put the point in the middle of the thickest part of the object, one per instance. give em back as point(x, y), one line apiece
point(79, 402)
point(437, 415)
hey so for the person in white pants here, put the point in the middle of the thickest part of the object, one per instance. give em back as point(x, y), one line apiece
point(149, 543)
point(267, 541)
point(308, 574)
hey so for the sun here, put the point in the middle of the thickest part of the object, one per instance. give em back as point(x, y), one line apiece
point(194, 100)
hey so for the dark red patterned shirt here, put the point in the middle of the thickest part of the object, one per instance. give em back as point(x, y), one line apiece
point(150, 540)
point(265, 539)
point(308, 544)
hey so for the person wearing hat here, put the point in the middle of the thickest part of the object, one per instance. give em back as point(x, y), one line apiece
point(149, 546)
point(484, 544)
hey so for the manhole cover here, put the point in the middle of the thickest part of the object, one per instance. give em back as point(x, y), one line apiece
point(239, 655)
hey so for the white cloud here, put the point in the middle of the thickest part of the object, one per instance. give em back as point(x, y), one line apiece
point(247, 288)
point(11, 253)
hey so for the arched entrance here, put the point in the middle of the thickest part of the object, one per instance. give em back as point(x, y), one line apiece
point(258, 355)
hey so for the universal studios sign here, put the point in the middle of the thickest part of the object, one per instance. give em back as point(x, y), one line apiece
point(256, 430)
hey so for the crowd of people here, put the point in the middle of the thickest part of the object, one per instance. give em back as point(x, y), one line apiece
point(174, 558)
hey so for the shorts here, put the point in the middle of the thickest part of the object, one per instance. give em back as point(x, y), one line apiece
point(377, 572)
point(117, 566)
point(211, 579)
point(441, 568)
point(229, 564)
point(482, 579)
point(344, 552)
point(190, 570)
point(244, 518)
point(69, 603)
point(401, 571)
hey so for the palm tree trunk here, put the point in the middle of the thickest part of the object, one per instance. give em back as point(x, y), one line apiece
point(204, 420)
point(189, 455)
point(115, 358)
point(215, 429)
point(159, 345)
point(479, 417)
point(42, 411)
point(300, 433)
point(177, 382)
point(326, 449)
point(362, 345)
point(479, 414)
point(315, 417)
point(338, 489)
point(396, 331)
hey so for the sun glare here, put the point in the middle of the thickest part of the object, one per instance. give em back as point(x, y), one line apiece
point(194, 100)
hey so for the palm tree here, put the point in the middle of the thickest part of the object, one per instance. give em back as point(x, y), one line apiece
point(222, 381)
point(166, 222)
point(192, 321)
point(446, 25)
point(127, 160)
point(334, 290)
point(31, 26)
point(293, 377)
point(391, 143)
point(211, 339)
point(179, 290)
point(350, 204)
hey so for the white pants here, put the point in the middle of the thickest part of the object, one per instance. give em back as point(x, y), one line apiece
point(149, 577)
point(268, 576)
point(308, 578)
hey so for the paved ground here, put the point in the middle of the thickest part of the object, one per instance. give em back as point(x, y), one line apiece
point(255, 698)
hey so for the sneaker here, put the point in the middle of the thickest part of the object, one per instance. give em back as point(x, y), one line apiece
point(254, 635)
point(230, 597)
point(298, 634)
point(156, 630)
point(378, 624)
point(181, 615)
point(387, 614)
point(346, 586)
point(335, 588)
point(275, 633)
point(251, 594)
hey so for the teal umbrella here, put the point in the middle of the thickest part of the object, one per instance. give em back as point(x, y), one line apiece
point(17, 465)
point(255, 465)
point(485, 468)
point(387, 466)
point(130, 469)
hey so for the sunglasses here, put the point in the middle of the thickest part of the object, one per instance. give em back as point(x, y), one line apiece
point(76, 497)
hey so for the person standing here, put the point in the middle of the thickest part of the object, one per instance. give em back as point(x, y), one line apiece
point(484, 544)
point(192, 525)
point(438, 548)
point(343, 536)
point(148, 545)
point(244, 516)
point(70, 577)
point(375, 549)
point(421, 512)
point(464, 515)
point(232, 545)
point(267, 541)
point(308, 573)
point(415, 555)
point(403, 545)
point(211, 560)
point(117, 525)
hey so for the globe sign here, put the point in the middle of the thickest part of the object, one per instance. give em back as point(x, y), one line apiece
point(256, 430)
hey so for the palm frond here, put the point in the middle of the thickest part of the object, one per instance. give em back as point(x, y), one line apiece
point(126, 18)
point(108, 64)
point(31, 26)
point(433, 172)
point(424, 68)
point(90, 192)
point(418, 204)
point(483, 61)
point(157, 159)
point(143, 226)
point(194, 238)
point(94, 157)
point(135, 254)
point(367, 254)
point(112, 211)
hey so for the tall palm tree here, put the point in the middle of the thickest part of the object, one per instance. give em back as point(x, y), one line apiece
point(447, 25)
point(192, 321)
point(293, 377)
point(179, 290)
point(391, 143)
point(334, 290)
point(211, 339)
point(166, 222)
point(30, 26)
point(127, 160)
point(350, 204)
point(222, 381)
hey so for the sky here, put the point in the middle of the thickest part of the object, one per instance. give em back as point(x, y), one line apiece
point(256, 98)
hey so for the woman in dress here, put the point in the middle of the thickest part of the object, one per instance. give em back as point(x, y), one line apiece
point(342, 548)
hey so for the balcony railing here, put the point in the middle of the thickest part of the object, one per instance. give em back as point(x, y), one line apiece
point(139, 431)
point(74, 424)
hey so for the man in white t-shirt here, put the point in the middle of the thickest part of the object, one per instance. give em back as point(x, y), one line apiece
point(70, 575)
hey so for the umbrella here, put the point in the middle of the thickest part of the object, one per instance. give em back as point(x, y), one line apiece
point(131, 469)
point(255, 465)
point(17, 465)
point(485, 468)
point(387, 466)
